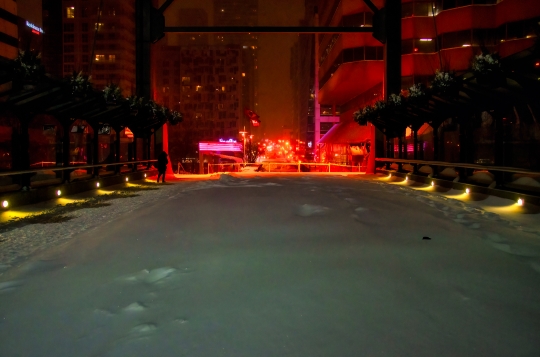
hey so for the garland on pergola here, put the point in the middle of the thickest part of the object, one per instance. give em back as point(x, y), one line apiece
point(140, 106)
point(416, 95)
point(486, 68)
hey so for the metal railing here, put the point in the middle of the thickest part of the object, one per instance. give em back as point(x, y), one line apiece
point(504, 178)
point(22, 178)
point(276, 167)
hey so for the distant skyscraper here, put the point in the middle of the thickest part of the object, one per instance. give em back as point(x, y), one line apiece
point(205, 84)
point(209, 78)
point(98, 42)
point(241, 13)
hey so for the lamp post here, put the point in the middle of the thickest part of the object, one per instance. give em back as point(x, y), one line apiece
point(244, 132)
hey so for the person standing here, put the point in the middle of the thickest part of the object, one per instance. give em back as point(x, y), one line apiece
point(162, 165)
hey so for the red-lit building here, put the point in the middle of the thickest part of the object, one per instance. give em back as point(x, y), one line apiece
point(100, 43)
point(436, 35)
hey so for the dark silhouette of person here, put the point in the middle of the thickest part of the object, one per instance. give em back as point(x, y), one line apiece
point(162, 162)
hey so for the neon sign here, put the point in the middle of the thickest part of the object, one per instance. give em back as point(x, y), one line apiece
point(227, 140)
point(35, 29)
point(220, 146)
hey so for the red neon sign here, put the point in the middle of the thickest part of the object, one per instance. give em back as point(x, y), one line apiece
point(215, 146)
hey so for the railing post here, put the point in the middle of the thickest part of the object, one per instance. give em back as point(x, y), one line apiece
point(117, 151)
point(95, 151)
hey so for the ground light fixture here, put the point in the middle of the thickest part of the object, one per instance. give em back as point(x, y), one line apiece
point(432, 183)
point(467, 190)
point(97, 184)
point(58, 193)
point(407, 178)
point(127, 179)
point(144, 175)
point(520, 202)
point(5, 204)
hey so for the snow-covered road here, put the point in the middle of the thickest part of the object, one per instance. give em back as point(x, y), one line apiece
point(276, 266)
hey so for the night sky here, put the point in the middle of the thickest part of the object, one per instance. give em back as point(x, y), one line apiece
point(275, 92)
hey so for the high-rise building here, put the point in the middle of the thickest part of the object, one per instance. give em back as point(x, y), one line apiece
point(303, 80)
point(205, 85)
point(97, 42)
point(241, 13)
point(210, 78)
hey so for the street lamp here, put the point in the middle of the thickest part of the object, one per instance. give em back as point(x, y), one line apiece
point(244, 132)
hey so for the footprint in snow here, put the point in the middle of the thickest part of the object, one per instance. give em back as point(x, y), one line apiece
point(307, 210)
point(150, 276)
point(9, 286)
point(134, 307)
point(144, 328)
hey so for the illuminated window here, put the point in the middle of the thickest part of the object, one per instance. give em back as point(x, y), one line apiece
point(243, 74)
point(112, 58)
point(223, 89)
point(70, 12)
point(98, 26)
point(198, 88)
point(100, 57)
point(186, 81)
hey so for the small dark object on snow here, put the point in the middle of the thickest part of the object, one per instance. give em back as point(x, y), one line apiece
point(426, 238)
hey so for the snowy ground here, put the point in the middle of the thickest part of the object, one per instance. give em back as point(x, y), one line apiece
point(275, 266)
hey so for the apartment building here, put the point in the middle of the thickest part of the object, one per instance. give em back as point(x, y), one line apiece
point(98, 42)
point(205, 85)
point(241, 13)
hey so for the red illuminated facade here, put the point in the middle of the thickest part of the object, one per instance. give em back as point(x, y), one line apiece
point(351, 65)
point(436, 35)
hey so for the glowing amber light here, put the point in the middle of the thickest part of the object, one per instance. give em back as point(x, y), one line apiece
point(432, 183)
point(5, 204)
point(127, 179)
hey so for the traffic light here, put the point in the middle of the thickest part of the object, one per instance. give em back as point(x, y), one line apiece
point(157, 25)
